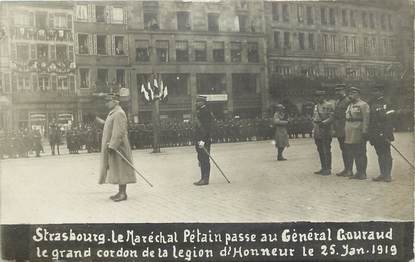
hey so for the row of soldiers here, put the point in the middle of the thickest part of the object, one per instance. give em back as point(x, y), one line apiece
point(20, 143)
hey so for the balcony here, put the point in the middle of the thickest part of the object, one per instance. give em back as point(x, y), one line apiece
point(27, 33)
point(56, 96)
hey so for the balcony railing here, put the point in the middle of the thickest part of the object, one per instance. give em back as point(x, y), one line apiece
point(24, 33)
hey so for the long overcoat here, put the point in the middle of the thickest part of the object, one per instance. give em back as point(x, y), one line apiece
point(114, 169)
point(281, 135)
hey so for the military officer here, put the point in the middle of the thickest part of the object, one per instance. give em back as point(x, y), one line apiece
point(339, 121)
point(356, 130)
point(322, 119)
point(202, 138)
point(381, 133)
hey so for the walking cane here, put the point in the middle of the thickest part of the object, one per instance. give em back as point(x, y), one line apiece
point(131, 165)
point(390, 143)
point(223, 174)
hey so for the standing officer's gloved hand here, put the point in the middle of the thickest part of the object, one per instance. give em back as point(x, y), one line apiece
point(109, 148)
point(201, 144)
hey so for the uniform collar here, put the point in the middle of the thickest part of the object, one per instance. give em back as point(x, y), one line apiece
point(115, 109)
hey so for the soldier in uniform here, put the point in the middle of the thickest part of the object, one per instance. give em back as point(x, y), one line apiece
point(114, 169)
point(356, 130)
point(339, 121)
point(280, 122)
point(202, 138)
point(322, 119)
point(381, 133)
point(37, 142)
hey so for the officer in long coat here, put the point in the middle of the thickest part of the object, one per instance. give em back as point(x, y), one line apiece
point(322, 120)
point(339, 122)
point(280, 121)
point(202, 139)
point(114, 169)
point(356, 133)
point(381, 133)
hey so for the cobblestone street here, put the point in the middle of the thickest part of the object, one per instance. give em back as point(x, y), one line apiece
point(64, 189)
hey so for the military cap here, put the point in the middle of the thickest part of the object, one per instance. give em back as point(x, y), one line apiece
point(320, 92)
point(279, 106)
point(112, 96)
point(201, 98)
point(340, 87)
point(354, 89)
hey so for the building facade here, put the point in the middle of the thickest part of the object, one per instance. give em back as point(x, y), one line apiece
point(216, 49)
point(57, 57)
point(315, 44)
point(39, 70)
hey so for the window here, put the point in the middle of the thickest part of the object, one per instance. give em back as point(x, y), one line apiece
point(41, 20)
point(60, 21)
point(84, 77)
point(382, 21)
point(352, 20)
point(346, 44)
point(277, 44)
point(200, 51)
point(119, 45)
point(177, 84)
point(373, 44)
point(275, 11)
point(311, 43)
point(366, 44)
point(43, 81)
point(101, 44)
point(287, 41)
point(300, 13)
point(150, 14)
point(364, 19)
point(236, 52)
point(244, 84)
point(333, 43)
point(325, 42)
point(42, 51)
point(100, 13)
point(285, 13)
point(82, 12)
point(117, 15)
point(183, 21)
point(330, 72)
point(354, 45)
point(390, 22)
point(182, 51)
point(242, 23)
point(102, 80)
point(371, 20)
point(61, 53)
point(253, 55)
point(22, 52)
point(213, 22)
point(23, 82)
point(211, 83)
point(344, 17)
point(310, 19)
point(323, 16)
point(385, 46)
point(83, 44)
point(218, 51)
point(332, 16)
point(62, 82)
point(142, 51)
point(301, 41)
point(162, 50)
point(23, 19)
point(120, 78)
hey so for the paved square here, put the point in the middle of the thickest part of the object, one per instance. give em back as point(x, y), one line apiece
point(64, 189)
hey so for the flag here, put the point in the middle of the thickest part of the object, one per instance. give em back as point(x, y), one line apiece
point(145, 93)
point(151, 92)
point(164, 91)
point(156, 87)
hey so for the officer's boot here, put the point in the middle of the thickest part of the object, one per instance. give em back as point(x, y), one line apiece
point(388, 169)
point(280, 156)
